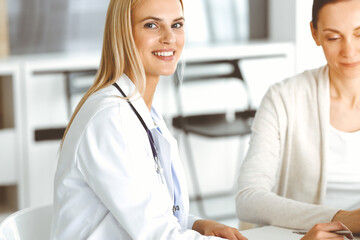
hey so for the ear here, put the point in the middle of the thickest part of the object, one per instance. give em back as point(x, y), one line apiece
point(314, 34)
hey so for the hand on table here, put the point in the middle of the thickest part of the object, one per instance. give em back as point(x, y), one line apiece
point(351, 219)
point(212, 228)
point(323, 231)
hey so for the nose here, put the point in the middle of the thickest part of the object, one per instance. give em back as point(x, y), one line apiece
point(349, 49)
point(167, 35)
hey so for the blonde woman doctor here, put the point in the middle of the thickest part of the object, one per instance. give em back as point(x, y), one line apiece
point(119, 175)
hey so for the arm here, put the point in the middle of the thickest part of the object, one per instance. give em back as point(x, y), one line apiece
point(351, 219)
point(256, 201)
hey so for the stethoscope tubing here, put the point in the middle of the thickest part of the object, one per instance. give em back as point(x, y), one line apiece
point(150, 137)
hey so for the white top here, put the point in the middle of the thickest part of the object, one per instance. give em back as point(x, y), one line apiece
point(282, 180)
point(106, 186)
point(343, 170)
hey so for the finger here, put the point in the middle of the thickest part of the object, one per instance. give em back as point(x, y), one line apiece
point(329, 235)
point(229, 234)
point(343, 225)
point(239, 236)
point(332, 226)
point(349, 236)
point(225, 235)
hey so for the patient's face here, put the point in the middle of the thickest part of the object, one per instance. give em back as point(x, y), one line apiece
point(338, 32)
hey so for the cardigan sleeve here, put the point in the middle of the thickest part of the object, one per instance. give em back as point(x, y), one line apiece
point(256, 200)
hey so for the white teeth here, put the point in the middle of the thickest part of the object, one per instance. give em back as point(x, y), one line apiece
point(163, 54)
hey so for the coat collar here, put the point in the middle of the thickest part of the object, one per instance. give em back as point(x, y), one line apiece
point(137, 101)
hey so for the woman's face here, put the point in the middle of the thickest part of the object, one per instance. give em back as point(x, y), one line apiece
point(158, 30)
point(338, 32)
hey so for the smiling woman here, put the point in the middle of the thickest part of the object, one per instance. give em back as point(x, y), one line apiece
point(302, 167)
point(119, 175)
point(161, 35)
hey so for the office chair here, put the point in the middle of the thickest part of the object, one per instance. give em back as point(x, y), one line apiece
point(215, 124)
point(28, 224)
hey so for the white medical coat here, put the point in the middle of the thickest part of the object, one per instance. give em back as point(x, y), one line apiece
point(106, 186)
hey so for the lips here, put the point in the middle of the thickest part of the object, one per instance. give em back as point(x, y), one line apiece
point(351, 64)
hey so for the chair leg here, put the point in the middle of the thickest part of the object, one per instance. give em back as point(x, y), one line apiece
point(240, 160)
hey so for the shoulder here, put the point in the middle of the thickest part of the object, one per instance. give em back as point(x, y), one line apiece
point(105, 103)
point(103, 109)
point(305, 83)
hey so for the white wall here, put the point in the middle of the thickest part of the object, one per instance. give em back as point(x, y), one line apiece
point(308, 55)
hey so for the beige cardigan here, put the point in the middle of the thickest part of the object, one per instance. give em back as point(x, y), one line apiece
point(282, 181)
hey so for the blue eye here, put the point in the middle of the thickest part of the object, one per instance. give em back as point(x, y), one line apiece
point(177, 25)
point(150, 25)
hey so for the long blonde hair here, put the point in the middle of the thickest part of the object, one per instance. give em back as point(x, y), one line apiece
point(119, 52)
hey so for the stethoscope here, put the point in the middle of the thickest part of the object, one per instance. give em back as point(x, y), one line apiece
point(158, 168)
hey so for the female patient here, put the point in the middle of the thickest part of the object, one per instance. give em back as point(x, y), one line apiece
point(303, 164)
point(119, 175)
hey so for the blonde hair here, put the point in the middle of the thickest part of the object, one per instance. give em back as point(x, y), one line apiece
point(119, 52)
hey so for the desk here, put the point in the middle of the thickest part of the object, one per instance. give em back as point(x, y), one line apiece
point(272, 233)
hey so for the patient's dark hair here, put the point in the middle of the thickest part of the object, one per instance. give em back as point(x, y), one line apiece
point(317, 5)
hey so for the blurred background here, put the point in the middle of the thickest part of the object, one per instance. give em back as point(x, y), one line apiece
point(50, 50)
point(42, 26)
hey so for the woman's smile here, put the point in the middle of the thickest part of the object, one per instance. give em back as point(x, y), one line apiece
point(164, 54)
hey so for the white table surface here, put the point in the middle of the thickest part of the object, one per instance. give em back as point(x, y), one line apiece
point(272, 233)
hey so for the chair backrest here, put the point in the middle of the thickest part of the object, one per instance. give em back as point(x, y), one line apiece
point(218, 84)
point(28, 224)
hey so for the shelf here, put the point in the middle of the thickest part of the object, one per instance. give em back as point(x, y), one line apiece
point(252, 49)
point(6, 102)
point(8, 201)
point(7, 157)
point(7, 131)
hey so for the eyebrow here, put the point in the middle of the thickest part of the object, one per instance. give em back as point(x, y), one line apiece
point(160, 19)
point(334, 30)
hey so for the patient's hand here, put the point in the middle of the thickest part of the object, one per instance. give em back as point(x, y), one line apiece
point(351, 219)
point(323, 231)
point(212, 228)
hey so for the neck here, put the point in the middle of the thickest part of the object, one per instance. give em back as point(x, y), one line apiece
point(148, 94)
point(347, 90)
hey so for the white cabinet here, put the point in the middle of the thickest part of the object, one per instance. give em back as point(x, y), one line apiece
point(33, 99)
point(10, 137)
point(46, 113)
